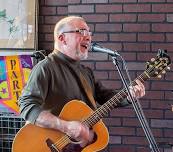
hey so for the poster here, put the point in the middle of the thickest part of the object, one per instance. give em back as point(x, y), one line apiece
point(14, 73)
point(17, 24)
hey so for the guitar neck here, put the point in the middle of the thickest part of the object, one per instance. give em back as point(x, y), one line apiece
point(111, 103)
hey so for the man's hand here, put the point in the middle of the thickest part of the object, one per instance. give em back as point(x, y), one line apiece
point(137, 91)
point(78, 131)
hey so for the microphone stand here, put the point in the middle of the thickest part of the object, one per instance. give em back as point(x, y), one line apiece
point(139, 112)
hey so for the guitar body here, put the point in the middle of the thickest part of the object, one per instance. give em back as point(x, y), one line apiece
point(31, 138)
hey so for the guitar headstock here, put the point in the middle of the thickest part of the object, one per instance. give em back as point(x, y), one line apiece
point(158, 66)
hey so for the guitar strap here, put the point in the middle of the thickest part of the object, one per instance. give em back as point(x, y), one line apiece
point(88, 90)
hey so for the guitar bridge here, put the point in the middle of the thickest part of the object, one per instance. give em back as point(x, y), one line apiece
point(51, 146)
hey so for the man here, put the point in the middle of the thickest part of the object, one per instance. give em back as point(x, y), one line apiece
point(56, 80)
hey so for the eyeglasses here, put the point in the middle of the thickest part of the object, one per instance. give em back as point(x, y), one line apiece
point(83, 32)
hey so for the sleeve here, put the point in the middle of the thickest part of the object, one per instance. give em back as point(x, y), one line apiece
point(34, 93)
point(102, 94)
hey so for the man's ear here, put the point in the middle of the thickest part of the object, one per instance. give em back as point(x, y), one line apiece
point(62, 38)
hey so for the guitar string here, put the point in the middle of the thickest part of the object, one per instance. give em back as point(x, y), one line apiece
point(65, 139)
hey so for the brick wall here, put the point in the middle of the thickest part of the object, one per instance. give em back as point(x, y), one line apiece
point(137, 29)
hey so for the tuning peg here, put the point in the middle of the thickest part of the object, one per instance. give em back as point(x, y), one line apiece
point(153, 59)
point(160, 68)
point(163, 72)
point(159, 76)
point(156, 73)
point(168, 68)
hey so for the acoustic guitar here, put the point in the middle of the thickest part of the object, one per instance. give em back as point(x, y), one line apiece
point(32, 138)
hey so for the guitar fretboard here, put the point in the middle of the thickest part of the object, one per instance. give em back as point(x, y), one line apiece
point(111, 103)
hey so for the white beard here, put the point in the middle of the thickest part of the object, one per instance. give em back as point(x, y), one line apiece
point(80, 55)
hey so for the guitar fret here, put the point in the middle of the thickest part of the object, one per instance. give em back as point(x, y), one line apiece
point(110, 104)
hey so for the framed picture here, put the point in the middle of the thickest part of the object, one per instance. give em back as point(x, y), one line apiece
point(18, 19)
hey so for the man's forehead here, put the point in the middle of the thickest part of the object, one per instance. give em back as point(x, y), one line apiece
point(79, 24)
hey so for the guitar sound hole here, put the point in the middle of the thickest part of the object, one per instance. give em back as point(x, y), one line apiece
point(51, 146)
point(76, 147)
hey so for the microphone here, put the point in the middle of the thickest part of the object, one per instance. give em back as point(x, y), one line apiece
point(96, 48)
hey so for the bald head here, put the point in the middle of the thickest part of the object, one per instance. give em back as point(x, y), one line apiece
point(64, 24)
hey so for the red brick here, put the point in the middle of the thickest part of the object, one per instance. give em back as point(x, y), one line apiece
point(128, 56)
point(101, 75)
point(162, 28)
point(169, 113)
point(169, 75)
point(52, 19)
point(46, 28)
point(62, 10)
point(163, 46)
point(155, 132)
point(46, 45)
point(145, 56)
point(104, 66)
point(114, 139)
point(56, 2)
point(136, 47)
point(108, 27)
point(41, 37)
point(151, 1)
point(143, 149)
point(161, 86)
point(122, 37)
point(123, 113)
point(94, 1)
point(113, 46)
point(112, 84)
point(169, 37)
point(159, 104)
point(81, 9)
point(169, 95)
point(96, 18)
point(123, 18)
point(136, 8)
point(168, 133)
point(121, 131)
point(154, 95)
point(159, 123)
point(49, 37)
point(88, 64)
point(145, 104)
point(151, 37)
point(48, 11)
point(136, 28)
point(97, 37)
point(97, 56)
point(122, 1)
point(121, 148)
point(108, 8)
point(115, 75)
point(41, 20)
point(73, 1)
point(149, 113)
point(162, 8)
point(151, 17)
point(131, 122)
point(135, 140)
point(135, 66)
point(112, 121)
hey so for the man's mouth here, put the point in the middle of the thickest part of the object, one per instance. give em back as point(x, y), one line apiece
point(85, 46)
